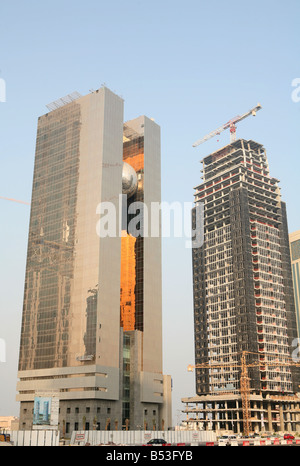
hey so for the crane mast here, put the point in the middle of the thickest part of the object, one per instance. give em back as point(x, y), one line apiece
point(231, 124)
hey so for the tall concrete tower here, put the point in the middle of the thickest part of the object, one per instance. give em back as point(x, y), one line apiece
point(243, 290)
point(92, 326)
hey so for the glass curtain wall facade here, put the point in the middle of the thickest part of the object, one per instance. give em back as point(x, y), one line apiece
point(132, 290)
point(132, 264)
point(51, 244)
point(242, 275)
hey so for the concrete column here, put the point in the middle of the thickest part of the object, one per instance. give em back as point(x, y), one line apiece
point(281, 421)
point(205, 415)
point(238, 425)
point(269, 418)
point(289, 420)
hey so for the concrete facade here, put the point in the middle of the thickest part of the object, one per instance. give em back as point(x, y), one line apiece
point(243, 292)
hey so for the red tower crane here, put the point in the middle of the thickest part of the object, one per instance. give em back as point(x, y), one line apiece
point(231, 124)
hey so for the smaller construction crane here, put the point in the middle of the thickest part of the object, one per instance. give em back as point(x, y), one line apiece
point(231, 124)
point(244, 383)
point(244, 378)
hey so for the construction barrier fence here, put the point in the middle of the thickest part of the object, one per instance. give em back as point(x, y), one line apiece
point(141, 437)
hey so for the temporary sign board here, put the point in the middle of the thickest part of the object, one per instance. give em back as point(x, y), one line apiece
point(45, 410)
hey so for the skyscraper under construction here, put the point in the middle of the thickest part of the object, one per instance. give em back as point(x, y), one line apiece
point(243, 294)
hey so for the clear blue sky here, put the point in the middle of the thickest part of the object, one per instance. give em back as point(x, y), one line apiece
point(191, 66)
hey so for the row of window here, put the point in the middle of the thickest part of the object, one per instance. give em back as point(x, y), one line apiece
point(77, 410)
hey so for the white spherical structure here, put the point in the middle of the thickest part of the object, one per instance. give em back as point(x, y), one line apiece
point(129, 180)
